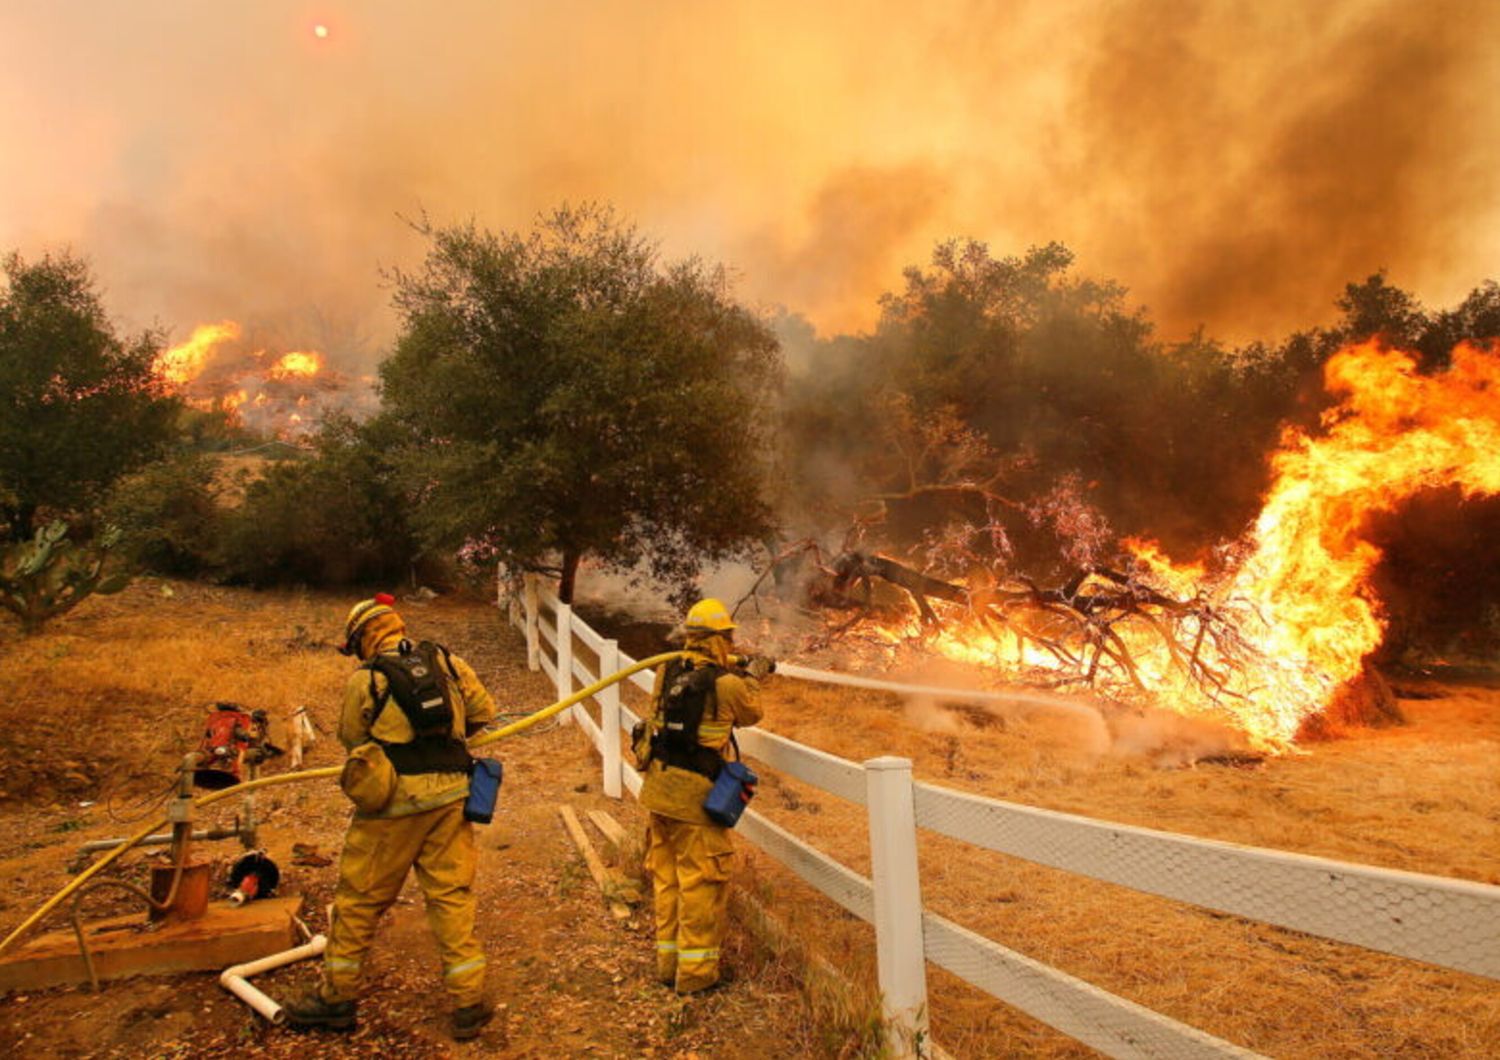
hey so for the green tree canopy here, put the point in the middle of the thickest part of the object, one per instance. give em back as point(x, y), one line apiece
point(81, 405)
point(566, 392)
point(988, 381)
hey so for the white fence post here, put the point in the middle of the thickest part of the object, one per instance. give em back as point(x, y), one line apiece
point(530, 599)
point(898, 903)
point(609, 718)
point(565, 659)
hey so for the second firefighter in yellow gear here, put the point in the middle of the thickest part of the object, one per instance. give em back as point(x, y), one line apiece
point(689, 856)
point(421, 827)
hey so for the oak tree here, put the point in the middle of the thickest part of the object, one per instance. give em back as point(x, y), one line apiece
point(567, 392)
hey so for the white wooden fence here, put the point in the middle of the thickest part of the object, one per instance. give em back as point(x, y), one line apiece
point(1453, 923)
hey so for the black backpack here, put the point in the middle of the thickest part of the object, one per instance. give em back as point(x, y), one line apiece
point(686, 693)
point(418, 677)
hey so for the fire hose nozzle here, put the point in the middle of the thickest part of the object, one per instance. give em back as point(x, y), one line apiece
point(756, 665)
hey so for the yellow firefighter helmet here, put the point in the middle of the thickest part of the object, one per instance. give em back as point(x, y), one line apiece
point(708, 616)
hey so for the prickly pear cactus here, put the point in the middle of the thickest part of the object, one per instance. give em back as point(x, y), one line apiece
point(48, 575)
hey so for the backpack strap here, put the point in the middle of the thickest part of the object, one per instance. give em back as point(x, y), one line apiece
point(406, 647)
point(447, 660)
point(379, 698)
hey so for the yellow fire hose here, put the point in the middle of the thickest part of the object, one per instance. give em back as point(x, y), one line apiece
point(327, 772)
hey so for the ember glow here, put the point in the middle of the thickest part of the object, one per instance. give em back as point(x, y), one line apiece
point(1296, 590)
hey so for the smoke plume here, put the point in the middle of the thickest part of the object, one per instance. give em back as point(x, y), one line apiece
point(1233, 164)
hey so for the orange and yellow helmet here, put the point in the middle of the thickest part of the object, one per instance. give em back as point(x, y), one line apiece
point(360, 615)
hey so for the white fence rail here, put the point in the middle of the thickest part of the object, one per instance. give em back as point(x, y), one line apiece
point(1454, 923)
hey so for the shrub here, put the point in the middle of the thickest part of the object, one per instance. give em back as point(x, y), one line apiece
point(336, 519)
point(50, 575)
point(170, 518)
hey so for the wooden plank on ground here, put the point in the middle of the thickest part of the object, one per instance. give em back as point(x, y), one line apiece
point(608, 827)
point(607, 887)
point(223, 936)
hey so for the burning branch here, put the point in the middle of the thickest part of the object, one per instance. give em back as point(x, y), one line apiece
point(1089, 628)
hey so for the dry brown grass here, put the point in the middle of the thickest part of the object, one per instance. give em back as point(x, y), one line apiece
point(123, 681)
point(1424, 798)
point(163, 651)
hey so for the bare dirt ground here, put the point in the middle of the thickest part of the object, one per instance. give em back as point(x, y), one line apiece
point(117, 692)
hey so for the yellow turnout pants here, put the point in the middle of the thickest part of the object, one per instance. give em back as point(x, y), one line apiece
point(690, 866)
point(378, 853)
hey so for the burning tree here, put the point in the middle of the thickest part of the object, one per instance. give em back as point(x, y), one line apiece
point(1011, 447)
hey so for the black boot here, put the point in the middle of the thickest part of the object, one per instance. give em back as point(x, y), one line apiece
point(726, 977)
point(310, 1010)
point(470, 1020)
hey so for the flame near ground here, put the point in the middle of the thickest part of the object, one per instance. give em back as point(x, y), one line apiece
point(1297, 587)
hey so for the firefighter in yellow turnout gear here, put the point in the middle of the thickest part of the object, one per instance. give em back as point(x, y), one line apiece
point(688, 855)
point(421, 825)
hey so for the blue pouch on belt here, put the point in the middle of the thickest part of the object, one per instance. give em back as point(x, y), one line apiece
point(733, 789)
point(484, 790)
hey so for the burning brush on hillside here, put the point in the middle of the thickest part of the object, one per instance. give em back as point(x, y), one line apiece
point(282, 395)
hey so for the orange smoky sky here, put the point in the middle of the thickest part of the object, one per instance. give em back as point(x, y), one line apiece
point(1232, 164)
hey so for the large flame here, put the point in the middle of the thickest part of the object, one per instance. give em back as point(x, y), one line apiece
point(183, 363)
point(1297, 587)
point(1393, 434)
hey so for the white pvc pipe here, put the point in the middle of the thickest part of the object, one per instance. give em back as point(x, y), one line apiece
point(235, 979)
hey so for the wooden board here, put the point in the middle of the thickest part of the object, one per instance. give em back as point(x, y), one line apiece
point(607, 885)
point(223, 936)
point(609, 828)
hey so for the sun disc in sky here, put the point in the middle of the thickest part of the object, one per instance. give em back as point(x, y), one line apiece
point(320, 31)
